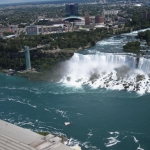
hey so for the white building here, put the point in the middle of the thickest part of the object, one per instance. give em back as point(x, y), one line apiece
point(35, 30)
point(110, 12)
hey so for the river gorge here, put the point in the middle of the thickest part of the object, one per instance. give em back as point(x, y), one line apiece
point(103, 92)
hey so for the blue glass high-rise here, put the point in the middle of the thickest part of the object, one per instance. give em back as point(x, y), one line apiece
point(72, 9)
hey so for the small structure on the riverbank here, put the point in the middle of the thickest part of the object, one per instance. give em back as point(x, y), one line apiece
point(9, 72)
point(27, 57)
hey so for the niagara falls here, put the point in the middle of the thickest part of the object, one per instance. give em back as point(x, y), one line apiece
point(101, 91)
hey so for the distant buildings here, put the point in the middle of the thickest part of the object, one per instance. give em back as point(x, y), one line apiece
point(51, 29)
point(72, 9)
point(99, 20)
point(146, 15)
point(4, 29)
point(87, 19)
point(102, 1)
point(91, 20)
point(43, 29)
point(32, 30)
point(110, 12)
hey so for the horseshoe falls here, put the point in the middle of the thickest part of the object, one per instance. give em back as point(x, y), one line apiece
point(103, 92)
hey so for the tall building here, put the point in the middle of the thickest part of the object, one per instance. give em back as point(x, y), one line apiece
point(87, 19)
point(101, 2)
point(99, 19)
point(72, 9)
point(146, 15)
point(27, 57)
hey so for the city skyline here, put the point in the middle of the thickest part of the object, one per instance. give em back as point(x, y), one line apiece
point(24, 1)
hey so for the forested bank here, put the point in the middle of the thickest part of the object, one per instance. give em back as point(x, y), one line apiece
point(12, 57)
point(132, 47)
point(145, 36)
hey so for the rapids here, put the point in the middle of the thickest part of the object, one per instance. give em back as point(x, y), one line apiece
point(106, 66)
point(107, 70)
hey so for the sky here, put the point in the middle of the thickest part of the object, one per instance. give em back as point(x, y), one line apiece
point(18, 1)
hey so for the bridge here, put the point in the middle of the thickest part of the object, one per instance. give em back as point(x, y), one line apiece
point(35, 48)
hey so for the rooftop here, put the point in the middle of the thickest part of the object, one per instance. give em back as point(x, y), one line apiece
point(13, 137)
point(73, 17)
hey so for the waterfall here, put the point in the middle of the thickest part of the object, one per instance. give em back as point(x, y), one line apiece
point(144, 65)
point(103, 60)
point(109, 61)
point(108, 70)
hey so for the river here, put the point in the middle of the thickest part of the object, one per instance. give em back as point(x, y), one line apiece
point(98, 94)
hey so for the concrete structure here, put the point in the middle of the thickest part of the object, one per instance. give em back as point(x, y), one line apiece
point(13, 137)
point(51, 29)
point(110, 12)
point(45, 29)
point(80, 23)
point(50, 21)
point(92, 19)
point(71, 9)
point(27, 57)
point(72, 18)
point(100, 26)
point(32, 30)
point(87, 19)
point(53, 21)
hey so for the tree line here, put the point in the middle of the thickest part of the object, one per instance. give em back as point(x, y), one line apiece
point(67, 41)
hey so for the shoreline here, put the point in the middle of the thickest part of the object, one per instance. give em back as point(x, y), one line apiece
point(36, 75)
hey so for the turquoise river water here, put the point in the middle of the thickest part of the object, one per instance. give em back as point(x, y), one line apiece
point(102, 117)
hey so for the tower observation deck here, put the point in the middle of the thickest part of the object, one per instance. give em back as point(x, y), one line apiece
point(27, 57)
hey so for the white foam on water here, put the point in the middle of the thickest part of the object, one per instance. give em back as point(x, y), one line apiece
point(79, 114)
point(112, 141)
point(2, 100)
point(73, 142)
point(136, 133)
point(116, 132)
point(110, 71)
point(110, 41)
point(139, 148)
point(125, 137)
point(63, 113)
point(134, 33)
point(23, 123)
point(25, 103)
point(54, 128)
point(135, 140)
point(41, 127)
point(47, 110)
point(90, 134)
